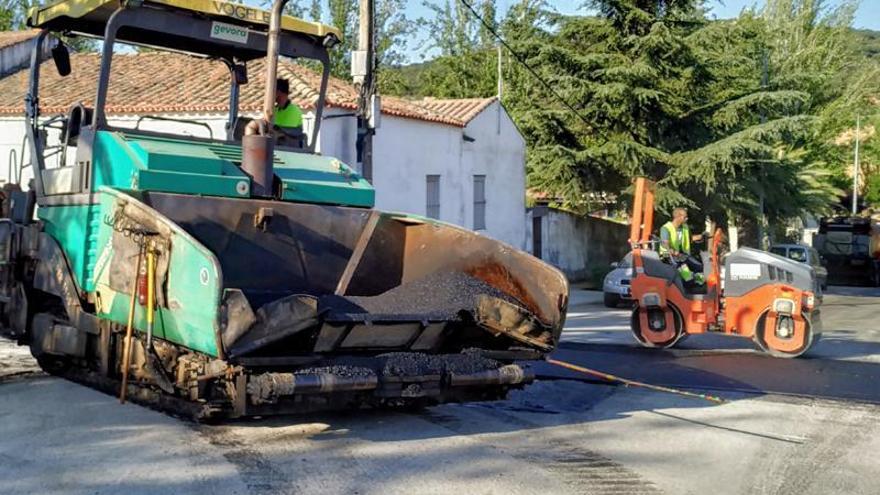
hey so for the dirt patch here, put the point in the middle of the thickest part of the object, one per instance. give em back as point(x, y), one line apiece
point(16, 361)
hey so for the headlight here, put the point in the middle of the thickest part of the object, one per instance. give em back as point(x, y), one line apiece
point(809, 301)
point(651, 299)
point(783, 306)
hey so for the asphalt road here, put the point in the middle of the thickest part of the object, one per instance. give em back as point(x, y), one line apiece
point(843, 364)
point(557, 436)
point(849, 316)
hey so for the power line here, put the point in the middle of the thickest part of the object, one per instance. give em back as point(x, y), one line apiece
point(519, 58)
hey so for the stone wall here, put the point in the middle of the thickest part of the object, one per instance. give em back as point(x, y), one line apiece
point(580, 246)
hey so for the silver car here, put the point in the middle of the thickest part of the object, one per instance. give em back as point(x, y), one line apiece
point(807, 255)
point(616, 287)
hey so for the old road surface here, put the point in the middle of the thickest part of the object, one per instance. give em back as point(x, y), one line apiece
point(806, 426)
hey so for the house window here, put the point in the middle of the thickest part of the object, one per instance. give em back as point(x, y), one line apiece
point(432, 206)
point(479, 202)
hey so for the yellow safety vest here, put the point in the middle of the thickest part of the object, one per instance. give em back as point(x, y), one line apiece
point(681, 244)
point(288, 117)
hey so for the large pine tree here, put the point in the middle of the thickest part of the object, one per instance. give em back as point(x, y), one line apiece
point(735, 118)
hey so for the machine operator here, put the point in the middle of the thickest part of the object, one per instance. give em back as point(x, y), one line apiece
point(675, 246)
point(288, 117)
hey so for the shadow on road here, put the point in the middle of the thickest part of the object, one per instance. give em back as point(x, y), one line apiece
point(557, 398)
point(738, 371)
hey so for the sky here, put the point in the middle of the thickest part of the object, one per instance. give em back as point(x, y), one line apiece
point(868, 15)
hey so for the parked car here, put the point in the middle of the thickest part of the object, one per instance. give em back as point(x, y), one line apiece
point(807, 255)
point(616, 287)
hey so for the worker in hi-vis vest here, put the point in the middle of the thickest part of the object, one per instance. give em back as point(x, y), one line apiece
point(675, 246)
point(288, 117)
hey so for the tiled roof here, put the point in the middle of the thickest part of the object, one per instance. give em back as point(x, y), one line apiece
point(463, 110)
point(161, 82)
point(9, 38)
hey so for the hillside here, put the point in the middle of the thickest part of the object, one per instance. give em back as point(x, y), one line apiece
point(869, 41)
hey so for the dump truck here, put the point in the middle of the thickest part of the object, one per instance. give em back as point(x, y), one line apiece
point(240, 276)
point(851, 248)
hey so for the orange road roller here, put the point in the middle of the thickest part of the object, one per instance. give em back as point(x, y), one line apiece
point(747, 293)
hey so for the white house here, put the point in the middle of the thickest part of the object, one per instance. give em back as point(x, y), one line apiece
point(16, 48)
point(461, 161)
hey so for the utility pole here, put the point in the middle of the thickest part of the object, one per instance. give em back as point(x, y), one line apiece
point(363, 71)
point(500, 76)
point(856, 167)
point(500, 92)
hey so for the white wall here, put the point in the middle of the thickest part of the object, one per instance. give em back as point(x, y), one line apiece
point(405, 152)
point(18, 56)
point(338, 136)
point(12, 131)
point(11, 134)
point(216, 122)
point(809, 229)
point(578, 245)
point(498, 152)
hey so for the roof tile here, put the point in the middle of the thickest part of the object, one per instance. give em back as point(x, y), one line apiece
point(9, 38)
point(162, 82)
point(461, 109)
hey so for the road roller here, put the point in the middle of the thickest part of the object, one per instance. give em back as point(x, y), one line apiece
point(747, 293)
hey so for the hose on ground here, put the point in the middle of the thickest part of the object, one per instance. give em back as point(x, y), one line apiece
point(632, 383)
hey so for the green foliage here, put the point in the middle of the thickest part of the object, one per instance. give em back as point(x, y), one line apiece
point(868, 42)
point(736, 119)
point(872, 191)
point(393, 30)
point(13, 17)
point(725, 115)
point(13, 14)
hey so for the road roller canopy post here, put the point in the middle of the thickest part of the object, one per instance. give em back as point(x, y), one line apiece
point(643, 213)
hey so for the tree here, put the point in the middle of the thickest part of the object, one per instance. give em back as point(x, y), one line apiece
point(630, 76)
point(395, 32)
point(735, 119)
point(13, 14)
point(394, 29)
point(13, 17)
point(815, 47)
point(724, 115)
point(466, 64)
point(489, 12)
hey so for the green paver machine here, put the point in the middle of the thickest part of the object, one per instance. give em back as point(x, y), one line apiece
point(239, 277)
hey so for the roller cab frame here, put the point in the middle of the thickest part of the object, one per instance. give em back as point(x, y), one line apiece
point(748, 293)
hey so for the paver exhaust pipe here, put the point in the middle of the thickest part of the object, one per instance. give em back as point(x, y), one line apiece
point(258, 143)
point(257, 155)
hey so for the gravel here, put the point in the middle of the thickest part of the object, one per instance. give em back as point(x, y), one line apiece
point(439, 296)
point(417, 364)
